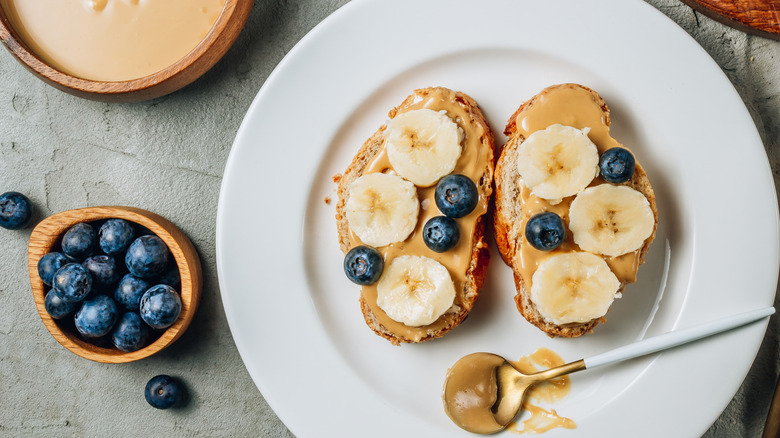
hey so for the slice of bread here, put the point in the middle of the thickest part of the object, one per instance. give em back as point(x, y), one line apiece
point(479, 137)
point(568, 101)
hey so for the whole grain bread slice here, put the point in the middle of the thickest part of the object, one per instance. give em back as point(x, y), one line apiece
point(477, 267)
point(508, 211)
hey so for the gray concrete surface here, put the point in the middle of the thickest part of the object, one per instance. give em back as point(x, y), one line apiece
point(168, 156)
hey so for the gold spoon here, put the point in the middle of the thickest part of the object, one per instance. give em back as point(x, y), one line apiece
point(483, 392)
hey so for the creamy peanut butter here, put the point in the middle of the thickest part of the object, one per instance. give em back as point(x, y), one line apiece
point(472, 391)
point(572, 106)
point(472, 163)
point(541, 421)
point(112, 40)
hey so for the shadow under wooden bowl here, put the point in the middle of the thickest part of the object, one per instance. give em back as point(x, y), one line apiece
point(46, 238)
point(186, 70)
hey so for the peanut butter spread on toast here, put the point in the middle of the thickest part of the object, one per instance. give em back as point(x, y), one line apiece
point(473, 161)
point(572, 106)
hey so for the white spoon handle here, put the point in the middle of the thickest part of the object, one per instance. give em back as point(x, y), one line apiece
point(675, 338)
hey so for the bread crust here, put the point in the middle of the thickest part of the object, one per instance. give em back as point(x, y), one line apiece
point(480, 254)
point(508, 210)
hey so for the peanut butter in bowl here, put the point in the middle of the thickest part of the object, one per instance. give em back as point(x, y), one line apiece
point(112, 40)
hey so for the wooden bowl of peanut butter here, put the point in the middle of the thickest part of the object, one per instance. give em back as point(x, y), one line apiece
point(120, 50)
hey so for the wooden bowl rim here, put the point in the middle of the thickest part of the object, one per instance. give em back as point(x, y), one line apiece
point(42, 241)
point(29, 58)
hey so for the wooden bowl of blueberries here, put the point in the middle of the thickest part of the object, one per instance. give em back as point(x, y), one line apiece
point(113, 284)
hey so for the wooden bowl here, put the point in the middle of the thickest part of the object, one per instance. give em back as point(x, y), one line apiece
point(183, 72)
point(46, 237)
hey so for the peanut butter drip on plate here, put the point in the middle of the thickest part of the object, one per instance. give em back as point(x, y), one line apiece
point(472, 163)
point(112, 40)
point(575, 106)
point(548, 392)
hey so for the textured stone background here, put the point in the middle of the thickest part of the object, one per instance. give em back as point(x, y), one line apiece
point(167, 156)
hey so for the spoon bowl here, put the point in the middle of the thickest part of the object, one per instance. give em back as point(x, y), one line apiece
point(471, 392)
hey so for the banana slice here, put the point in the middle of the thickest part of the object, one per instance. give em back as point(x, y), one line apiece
point(610, 220)
point(557, 162)
point(423, 145)
point(382, 208)
point(415, 290)
point(573, 287)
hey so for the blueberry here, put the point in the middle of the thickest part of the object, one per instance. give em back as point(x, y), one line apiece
point(49, 264)
point(73, 282)
point(171, 277)
point(130, 332)
point(103, 269)
point(456, 195)
point(160, 306)
point(79, 241)
point(441, 233)
point(147, 256)
point(617, 165)
point(103, 341)
point(130, 290)
point(545, 231)
point(163, 392)
point(16, 211)
point(115, 236)
point(96, 316)
point(363, 265)
point(56, 307)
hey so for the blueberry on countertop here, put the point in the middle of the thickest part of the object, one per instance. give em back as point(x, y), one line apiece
point(441, 233)
point(163, 392)
point(130, 332)
point(363, 265)
point(129, 291)
point(16, 211)
point(56, 307)
point(545, 231)
point(115, 236)
point(103, 268)
point(616, 165)
point(147, 256)
point(96, 316)
point(160, 306)
point(79, 241)
point(49, 264)
point(456, 195)
point(73, 282)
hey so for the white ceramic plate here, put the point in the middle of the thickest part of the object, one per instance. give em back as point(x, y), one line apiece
point(296, 318)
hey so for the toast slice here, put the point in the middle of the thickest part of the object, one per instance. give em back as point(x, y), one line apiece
point(571, 105)
point(477, 162)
